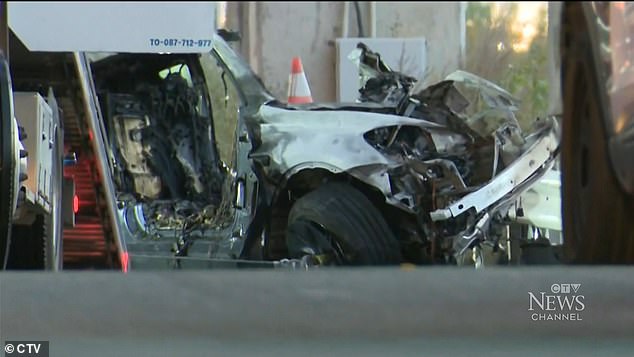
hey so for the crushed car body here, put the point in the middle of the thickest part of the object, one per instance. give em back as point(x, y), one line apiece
point(458, 165)
point(209, 167)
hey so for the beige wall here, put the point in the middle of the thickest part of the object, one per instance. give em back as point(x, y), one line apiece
point(274, 32)
point(441, 23)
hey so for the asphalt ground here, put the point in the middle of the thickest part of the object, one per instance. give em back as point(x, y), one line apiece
point(418, 311)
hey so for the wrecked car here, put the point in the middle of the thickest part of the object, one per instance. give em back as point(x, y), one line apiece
point(210, 169)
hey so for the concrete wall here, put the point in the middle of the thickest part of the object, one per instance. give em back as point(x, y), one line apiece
point(274, 32)
point(442, 23)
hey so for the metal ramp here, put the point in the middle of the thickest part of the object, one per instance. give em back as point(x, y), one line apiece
point(86, 246)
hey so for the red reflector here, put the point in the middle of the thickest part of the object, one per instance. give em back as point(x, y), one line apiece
point(124, 262)
point(75, 204)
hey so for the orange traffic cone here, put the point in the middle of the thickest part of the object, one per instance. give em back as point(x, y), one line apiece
point(298, 90)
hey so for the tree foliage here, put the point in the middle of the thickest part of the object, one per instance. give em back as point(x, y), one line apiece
point(491, 55)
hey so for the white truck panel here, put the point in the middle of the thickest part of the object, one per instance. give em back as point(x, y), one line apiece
point(34, 114)
point(124, 26)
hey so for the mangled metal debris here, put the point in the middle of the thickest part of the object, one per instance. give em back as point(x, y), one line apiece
point(452, 157)
point(462, 187)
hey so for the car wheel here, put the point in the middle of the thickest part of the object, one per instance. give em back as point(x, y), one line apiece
point(7, 161)
point(597, 213)
point(7, 189)
point(337, 225)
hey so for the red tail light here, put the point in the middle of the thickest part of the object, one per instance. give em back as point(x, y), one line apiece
point(75, 204)
point(124, 262)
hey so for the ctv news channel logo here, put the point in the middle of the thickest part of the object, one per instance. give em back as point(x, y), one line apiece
point(26, 349)
point(564, 302)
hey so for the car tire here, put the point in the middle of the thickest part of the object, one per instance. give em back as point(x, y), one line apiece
point(339, 222)
point(8, 162)
point(597, 214)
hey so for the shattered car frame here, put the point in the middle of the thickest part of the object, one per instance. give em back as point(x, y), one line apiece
point(211, 170)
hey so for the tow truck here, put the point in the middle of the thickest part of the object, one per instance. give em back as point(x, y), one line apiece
point(31, 178)
point(51, 175)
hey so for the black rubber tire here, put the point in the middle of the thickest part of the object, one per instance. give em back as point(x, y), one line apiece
point(7, 162)
point(597, 214)
point(338, 218)
point(28, 245)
